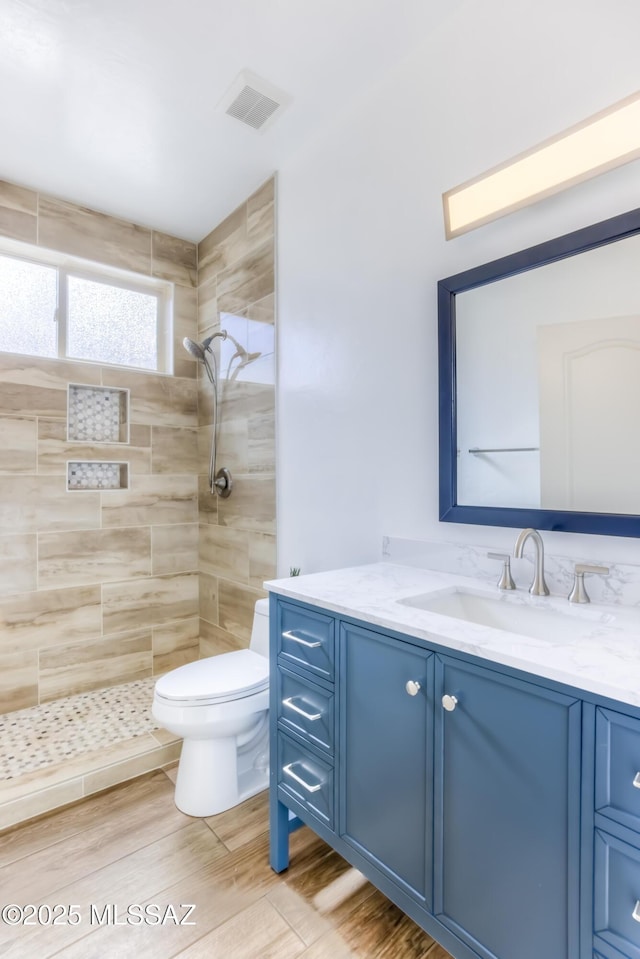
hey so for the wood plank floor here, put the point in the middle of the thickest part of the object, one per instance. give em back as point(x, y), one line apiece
point(131, 846)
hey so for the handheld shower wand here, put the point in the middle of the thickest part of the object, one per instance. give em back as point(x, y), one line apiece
point(220, 481)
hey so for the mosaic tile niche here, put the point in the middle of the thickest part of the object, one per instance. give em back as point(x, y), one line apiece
point(97, 475)
point(97, 415)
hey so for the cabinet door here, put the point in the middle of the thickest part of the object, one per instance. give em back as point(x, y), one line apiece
point(507, 813)
point(385, 762)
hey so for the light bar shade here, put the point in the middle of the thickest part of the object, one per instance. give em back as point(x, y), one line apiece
point(604, 141)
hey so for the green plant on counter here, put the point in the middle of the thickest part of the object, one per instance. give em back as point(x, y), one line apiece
point(294, 571)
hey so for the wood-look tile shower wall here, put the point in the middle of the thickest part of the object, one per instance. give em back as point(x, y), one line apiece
point(96, 588)
point(237, 535)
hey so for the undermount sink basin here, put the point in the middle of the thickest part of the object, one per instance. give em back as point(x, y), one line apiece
point(504, 613)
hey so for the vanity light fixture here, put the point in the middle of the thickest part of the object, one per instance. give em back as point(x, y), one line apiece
point(602, 142)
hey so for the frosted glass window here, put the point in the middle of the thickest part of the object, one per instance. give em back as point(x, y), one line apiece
point(111, 324)
point(59, 306)
point(28, 303)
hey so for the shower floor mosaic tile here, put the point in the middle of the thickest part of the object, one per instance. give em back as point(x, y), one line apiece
point(34, 738)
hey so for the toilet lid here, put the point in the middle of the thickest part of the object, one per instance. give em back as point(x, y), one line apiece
point(217, 678)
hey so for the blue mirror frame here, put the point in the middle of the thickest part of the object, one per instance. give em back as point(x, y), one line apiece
point(612, 524)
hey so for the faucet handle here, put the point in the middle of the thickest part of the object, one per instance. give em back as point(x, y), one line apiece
point(506, 579)
point(578, 593)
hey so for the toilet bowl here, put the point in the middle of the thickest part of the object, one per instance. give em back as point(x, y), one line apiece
point(219, 706)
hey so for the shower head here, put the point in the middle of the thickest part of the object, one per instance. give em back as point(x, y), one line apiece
point(199, 352)
point(198, 349)
point(195, 349)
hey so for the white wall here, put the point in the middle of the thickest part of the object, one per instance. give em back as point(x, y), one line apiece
point(361, 247)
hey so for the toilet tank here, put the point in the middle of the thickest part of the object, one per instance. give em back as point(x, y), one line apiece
point(260, 631)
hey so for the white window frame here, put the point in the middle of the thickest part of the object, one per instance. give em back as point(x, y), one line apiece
point(72, 266)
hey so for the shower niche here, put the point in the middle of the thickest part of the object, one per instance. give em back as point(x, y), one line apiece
point(97, 415)
point(95, 475)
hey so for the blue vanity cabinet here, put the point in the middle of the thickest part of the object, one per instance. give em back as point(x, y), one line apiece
point(616, 919)
point(386, 734)
point(456, 788)
point(302, 724)
point(507, 813)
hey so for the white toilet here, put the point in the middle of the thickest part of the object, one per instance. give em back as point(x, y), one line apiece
point(220, 707)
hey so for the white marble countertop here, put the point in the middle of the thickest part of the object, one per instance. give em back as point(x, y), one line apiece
point(598, 651)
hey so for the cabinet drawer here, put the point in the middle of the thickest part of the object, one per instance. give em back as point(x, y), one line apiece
point(306, 638)
point(618, 767)
point(617, 894)
point(305, 708)
point(306, 777)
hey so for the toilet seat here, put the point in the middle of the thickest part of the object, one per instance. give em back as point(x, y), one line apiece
point(218, 679)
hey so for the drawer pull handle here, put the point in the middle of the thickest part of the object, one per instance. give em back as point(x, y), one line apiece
point(289, 703)
point(636, 780)
point(289, 634)
point(636, 912)
point(289, 772)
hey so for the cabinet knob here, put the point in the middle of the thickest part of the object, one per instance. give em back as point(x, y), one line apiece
point(636, 911)
point(636, 780)
point(449, 703)
point(413, 687)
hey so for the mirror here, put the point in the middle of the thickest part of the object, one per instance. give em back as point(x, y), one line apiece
point(539, 371)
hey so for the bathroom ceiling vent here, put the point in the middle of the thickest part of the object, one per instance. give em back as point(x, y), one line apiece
point(254, 101)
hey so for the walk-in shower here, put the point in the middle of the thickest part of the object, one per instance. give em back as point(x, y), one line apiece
point(220, 481)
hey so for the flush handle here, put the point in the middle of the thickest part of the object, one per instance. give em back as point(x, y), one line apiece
point(289, 634)
point(289, 703)
point(288, 770)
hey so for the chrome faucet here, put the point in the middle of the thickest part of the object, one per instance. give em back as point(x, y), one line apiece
point(538, 586)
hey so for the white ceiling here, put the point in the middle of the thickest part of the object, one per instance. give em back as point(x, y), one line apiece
point(113, 104)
